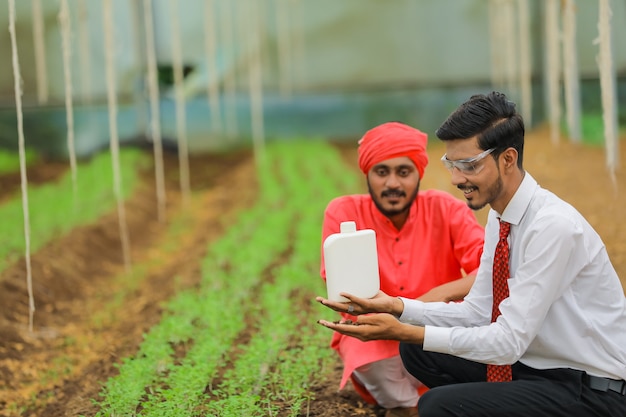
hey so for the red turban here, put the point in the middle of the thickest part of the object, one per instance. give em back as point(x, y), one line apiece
point(391, 140)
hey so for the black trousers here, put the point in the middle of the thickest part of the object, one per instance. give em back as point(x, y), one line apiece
point(458, 388)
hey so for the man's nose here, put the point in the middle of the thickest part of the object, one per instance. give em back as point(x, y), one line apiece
point(457, 177)
point(392, 181)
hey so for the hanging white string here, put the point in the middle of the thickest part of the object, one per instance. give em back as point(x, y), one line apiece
point(66, 33)
point(40, 53)
point(229, 46)
point(283, 39)
point(525, 61)
point(210, 45)
point(570, 71)
point(607, 84)
point(299, 41)
point(255, 80)
point(181, 121)
point(83, 45)
point(22, 153)
point(109, 50)
point(510, 46)
point(553, 69)
point(497, 47)
point(155, 114)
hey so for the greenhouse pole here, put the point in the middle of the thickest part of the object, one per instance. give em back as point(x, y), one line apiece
point(181, 118)
point(210, 44)
point(570, 71)
point(22, 153)
point(109, 50)
point(525, 61)
point(607, 84)
point(40, 53)
point(155, 114)
point(553, 67)
point(66, 33)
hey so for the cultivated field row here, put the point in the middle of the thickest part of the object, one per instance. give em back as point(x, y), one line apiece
point(241, 344)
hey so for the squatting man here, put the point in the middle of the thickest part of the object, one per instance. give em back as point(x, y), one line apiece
point(543, 328)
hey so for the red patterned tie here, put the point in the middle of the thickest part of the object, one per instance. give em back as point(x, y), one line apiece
point(500, 373)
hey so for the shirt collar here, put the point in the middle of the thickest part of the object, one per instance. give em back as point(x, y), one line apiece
point(514, 211)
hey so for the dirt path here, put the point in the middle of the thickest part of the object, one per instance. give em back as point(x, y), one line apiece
point(76, 276)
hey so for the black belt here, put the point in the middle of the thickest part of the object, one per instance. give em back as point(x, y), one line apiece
point(606, 384)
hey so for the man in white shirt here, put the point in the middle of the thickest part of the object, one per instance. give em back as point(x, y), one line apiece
point(561, 326)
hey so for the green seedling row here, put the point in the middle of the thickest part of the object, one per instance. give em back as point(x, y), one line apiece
point(285, 333)
point(10, 161)
point(251, 279)
point(215, 312)
point(56, 208)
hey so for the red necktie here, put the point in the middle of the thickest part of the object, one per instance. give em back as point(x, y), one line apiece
point(500, 373)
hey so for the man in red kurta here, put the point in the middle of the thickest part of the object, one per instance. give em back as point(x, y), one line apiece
point(429, 245)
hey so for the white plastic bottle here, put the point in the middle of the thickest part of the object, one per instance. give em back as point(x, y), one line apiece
point(351, 263)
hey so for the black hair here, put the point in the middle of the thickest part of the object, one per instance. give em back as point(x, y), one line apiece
point(492, 118)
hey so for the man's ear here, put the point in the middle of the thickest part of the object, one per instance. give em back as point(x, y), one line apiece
point(509, 158)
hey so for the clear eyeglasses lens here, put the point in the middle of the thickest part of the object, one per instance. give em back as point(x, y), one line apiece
point(468, 166)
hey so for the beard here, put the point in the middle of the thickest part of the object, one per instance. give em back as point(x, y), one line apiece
point(491, 193)
point(396, 210)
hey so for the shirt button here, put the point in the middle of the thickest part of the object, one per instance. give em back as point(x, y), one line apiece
point(397, 239)
point(401, 288)
point(399, 262)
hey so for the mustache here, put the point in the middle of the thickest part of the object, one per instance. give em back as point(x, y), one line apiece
point(393, 193)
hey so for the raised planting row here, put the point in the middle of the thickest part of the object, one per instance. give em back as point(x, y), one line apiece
point(56, 208)
point(241, 343)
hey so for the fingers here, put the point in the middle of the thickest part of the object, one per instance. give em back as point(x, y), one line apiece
point(341, 307)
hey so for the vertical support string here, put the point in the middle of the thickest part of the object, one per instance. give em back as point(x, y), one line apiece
point(210, 44)
point(525, 61)
point(155, 114)
point(22, 153)
point(607, 84)
point(553, 69)
point(66, 33)
point(83, 47)
point(497, 48)
point(228, 45)
point(181, 122)
point(256, 82)
point(283, 38)
point(299, 40)
point(570, 71)
point(40, 53)
point(510, 46)
point(109, 50)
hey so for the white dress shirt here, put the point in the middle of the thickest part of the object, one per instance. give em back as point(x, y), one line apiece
point(566, 307)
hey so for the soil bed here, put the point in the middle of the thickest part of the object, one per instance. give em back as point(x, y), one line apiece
point(77, 275)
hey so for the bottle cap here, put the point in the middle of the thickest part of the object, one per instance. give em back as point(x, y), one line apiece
point(347, 227)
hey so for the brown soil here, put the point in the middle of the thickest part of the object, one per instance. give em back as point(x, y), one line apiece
point(59, 367)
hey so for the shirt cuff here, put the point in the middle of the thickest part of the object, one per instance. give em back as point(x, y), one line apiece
point(413, 311)
point(437, 339)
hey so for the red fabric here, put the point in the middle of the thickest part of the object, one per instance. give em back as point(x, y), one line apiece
point(391, 140)
point(500, 373)
point(368, 398)
point(440, 239)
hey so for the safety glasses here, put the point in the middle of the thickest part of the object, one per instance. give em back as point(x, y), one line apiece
point(469, 166)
